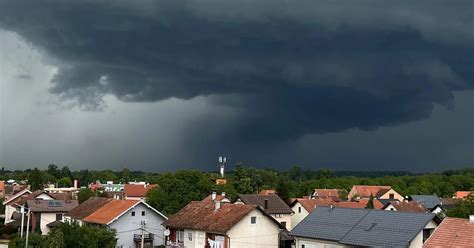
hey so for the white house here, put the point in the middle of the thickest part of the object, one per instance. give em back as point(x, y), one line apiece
point(48, 213)
point(272, 204)
point(11, 204)
point(350, 227)
point(127, 217)
point(222, 225)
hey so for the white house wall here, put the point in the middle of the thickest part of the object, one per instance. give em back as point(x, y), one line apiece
point(417, 242)
point(297, 217)
point(265, 233)
point(314, 243)
point(127, 222)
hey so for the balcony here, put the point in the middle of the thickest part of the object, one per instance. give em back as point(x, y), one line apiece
point(148, 237)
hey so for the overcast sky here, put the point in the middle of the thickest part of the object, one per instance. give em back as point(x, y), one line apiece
point(163, 85)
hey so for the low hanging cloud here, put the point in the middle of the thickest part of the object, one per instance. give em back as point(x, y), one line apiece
point(288, 68)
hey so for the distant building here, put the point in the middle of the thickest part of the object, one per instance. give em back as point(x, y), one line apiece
point(326, 193)
point(452, 232)
point(379, 192)
point(349, 227)
point(272, 204)
point(267, 192)
point(215, 224)
point(2, 189)
point(406, 207)
point(461, 194)
point(137, 191)
point(430, 202)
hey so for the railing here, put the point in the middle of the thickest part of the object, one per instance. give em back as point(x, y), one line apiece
point(146, 237)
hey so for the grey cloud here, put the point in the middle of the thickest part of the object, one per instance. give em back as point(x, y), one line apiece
point(291, 68)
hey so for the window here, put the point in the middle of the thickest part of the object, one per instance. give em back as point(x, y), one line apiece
point(391, 196)
point(283, 223)
point(59, 216)
point(143, 213)
point(299, 209)
point(180, 235)
point(302, 246)
point(253, 220)
point(190, 236)
point(133, 213)
point(426, 234)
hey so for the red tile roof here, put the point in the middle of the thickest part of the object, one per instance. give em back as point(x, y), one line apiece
point(409, 206)
point(374, 190)
point(110, 211)
point(209, 198)
point(203, 216)
point(453, 232)
point(137, 190)
point(325, 193)
point(362, 203)
point(88, 207)
point(311, 204)
point(461, 194)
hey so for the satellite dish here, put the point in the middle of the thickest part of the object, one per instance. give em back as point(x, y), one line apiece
point(166, 232)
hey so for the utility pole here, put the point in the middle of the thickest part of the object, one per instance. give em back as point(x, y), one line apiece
point(27, 228)
point(22, 211)
point(142, 245)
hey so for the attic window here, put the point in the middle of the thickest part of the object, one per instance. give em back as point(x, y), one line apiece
point(299, 209)
point(253, 220)
point(369, 227)
point(133, 213)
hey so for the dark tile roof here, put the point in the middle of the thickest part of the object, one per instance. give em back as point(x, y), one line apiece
point(51, 205)
point(429, 201)
point(201, 215)
point(362, 227)
point(88, 207)
point(275, 204)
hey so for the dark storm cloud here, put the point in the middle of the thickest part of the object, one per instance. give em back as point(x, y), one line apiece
point(290, 68)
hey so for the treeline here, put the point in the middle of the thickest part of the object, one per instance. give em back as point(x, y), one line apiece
point(176, 189)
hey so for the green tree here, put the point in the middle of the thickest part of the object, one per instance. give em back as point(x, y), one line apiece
point(464, 208)
point(35, 179)
point(125, 175)
point(370, 203)
point(66, 172)
point(65, 182)
point(84, 194)
point(54, 171)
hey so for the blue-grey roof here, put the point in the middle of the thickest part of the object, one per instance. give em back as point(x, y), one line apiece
point(362, 227)
point(429, 201)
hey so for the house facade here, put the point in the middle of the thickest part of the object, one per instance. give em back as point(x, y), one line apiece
point(12, 204)
point(378, 192)
point(348, 227)
point(127, 217)
point(45, 212)
point(215, 225)
point(272, 204)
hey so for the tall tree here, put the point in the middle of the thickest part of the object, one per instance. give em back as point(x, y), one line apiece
point(35, 179)
point(54, 171)
point(370, 203)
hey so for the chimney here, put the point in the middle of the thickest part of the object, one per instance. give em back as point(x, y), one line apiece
point(75, 183)
point(223, 194)
point(266, 203)
point(331, 207)
point(213, 195)
point(217, 205)
point(471, 219)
